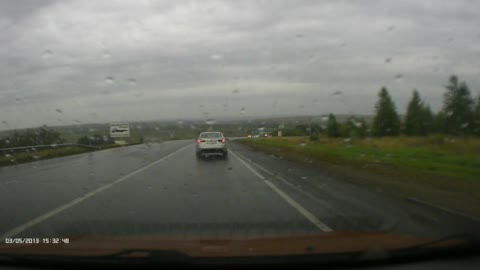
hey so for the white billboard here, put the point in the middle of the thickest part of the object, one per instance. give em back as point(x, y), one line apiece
point(119, 130)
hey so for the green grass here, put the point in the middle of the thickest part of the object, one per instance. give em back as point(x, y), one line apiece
point(24, 157)
point(437, 169)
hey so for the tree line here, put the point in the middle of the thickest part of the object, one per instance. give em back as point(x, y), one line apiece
point(39, 136)
point(46, 136)
point(460, 116)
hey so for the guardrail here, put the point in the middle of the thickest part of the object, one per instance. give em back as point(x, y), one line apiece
point(46, 146)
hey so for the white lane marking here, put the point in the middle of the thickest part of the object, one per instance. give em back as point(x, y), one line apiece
point(82, 198)
point(286, 182)
point(307, 214)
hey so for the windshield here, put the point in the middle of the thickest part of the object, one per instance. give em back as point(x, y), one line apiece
point(211, 135)
point(344, 120)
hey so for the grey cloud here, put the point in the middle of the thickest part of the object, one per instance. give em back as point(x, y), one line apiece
point(184, 54)
point(15, 11)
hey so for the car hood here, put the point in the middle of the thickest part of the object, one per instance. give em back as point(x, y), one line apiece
point(324, 243)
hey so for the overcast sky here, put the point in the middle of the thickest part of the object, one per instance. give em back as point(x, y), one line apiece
point(65, 62)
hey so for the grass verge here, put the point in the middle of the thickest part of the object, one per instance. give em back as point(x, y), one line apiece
point(438, 170)
point(24, 157)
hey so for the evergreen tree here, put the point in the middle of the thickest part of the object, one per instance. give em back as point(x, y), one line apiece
point(332, 126)
point(418, 121)
point(476, 117)
point(428, 118)
point(386, 121)
point(439, 123)
point(458, 107)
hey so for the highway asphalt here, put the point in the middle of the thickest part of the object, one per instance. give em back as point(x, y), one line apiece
point(162, 188)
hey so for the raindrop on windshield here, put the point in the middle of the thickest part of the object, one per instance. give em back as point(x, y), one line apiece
point(216, 56)
point(47, 54)
point(388, 60)
point(312, 58)
point(243, 110)
point(236, 91)
point(464, 125)
point(390, 28)
point(299, 35)
point(109, 80)
point(59, 110)
point(398, 77)
point(132, 82)
point(106, 54)
point(337, 93)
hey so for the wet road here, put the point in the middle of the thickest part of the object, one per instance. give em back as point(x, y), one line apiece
point(163, 189)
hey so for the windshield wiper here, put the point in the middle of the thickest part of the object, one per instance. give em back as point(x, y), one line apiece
point(447, 247)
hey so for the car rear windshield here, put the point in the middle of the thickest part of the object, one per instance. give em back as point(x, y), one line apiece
point(211, 135)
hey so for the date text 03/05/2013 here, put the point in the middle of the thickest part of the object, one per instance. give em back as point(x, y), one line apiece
point(34, 240)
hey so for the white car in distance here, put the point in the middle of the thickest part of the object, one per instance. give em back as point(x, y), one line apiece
point(211, 143)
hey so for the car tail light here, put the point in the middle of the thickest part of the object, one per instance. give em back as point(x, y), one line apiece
point(222, 140)
point(200, 141)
